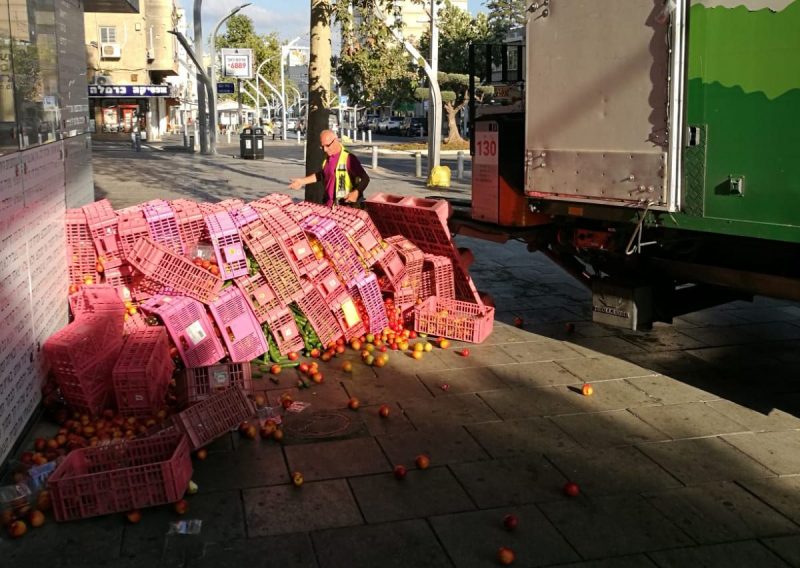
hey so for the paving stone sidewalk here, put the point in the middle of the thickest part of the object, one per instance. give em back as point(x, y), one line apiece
point(686, 454)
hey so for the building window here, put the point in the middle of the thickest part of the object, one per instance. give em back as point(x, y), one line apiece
point(108, 34)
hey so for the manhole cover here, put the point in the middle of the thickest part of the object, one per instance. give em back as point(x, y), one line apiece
point(319, 425)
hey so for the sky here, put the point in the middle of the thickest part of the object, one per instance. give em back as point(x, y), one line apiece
point(289, 18)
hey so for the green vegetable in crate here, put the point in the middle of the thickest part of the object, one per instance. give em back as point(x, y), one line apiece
point(310, 338)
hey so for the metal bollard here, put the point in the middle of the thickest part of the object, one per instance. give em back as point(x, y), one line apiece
point(299, 137)
point(460, 165)
point(418, 164)
point(370, 136)
point(374, 157)
point(228, 134)
point(191, 142)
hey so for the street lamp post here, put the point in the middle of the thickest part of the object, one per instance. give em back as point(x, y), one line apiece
point(285, 49)
point(212, 104)
point(258, 73)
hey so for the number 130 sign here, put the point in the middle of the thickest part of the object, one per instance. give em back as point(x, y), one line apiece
point(485, 147)
point(237, 63)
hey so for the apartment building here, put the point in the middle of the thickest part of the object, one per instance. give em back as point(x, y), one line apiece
point(129, 57)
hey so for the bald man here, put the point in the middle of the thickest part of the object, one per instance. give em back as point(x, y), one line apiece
point(344, 176)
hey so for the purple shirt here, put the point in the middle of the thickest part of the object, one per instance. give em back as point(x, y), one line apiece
point(354, 168)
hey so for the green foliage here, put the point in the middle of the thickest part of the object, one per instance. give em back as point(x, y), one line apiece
point(457, 30)
point(505, 15)
point(373, 69)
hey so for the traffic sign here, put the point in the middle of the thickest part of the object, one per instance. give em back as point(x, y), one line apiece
point(225, 88)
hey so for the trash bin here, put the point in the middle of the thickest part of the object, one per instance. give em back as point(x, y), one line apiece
point(251, 143)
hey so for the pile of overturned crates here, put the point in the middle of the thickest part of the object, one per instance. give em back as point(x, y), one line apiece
point(211, 285)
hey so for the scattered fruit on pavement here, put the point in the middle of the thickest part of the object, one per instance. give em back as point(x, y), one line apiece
point(570, 327)
point(587, 389)
point(423, 461)
point(275, 369)
point(400, 471)
point(444, 344)
point(277, 435)
point(181, 506)
point(347, 367)
point(353, 404)
point(36, 518)
point(510, 522)
point(192, 488)
point(134, 516)
point(17, 528)
point(571, 489)
point(297, 479)
point(384, 410)
point(201, 454)
point(518, 322)
point(464, 352)
point(505, 556)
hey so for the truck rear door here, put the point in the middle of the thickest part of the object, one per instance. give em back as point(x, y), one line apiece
point(603, 104)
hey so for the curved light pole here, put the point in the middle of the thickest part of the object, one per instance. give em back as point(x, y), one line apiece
point(212, 104)
point(284, 53)
point(258, 74)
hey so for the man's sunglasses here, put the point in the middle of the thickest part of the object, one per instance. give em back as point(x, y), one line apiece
point(324, 146)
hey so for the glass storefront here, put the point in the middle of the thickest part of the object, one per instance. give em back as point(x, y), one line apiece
point(33, 36)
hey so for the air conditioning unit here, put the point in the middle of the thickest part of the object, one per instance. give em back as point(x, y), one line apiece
point(110, 51)
point(102, 80)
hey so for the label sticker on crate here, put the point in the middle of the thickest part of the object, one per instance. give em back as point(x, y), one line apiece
point(351, 316)
point(196, 332)
point(220, 377)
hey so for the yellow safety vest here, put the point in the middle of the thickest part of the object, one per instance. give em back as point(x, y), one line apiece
point(344, 184)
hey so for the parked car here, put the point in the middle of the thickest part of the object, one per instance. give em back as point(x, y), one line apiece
point(369, 123)
point(415, 126)
point(390, 125)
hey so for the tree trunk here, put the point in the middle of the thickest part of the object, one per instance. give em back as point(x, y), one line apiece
point(319, 85)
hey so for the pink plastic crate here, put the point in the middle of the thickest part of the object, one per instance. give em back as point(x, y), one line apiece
point(81, 253)
point(423, 222)
point(132, 226)
point(102, 223)
point(355, 326)
point(240, 329)
point(337, 248)
point(392, 266)
point(301, 210)
point(284, 331)
point(454, 319)
point(120, 276)
point(361, 232)
point(179, 274)
point(142, 373)
point(191, 223)
point(134, 322)
point(228, 246)
point(189, 327)
point(213, 417)
point(198, 384)
point(121, 476)
point(96, 299)
point(319, 314)
point(437, 277)
point(162, 224)
point(260, 295)
point(412, 258)
point(280, 199)
point(371, 298)
point(289, 235)
point(231, 204)
point(273, 262)
point(245, 215)
point(81, 356)
point(325, 279)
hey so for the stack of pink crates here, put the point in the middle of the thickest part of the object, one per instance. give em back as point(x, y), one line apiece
point(163, 225)
point(228, 247)
point(142, 372)
point(81, 357)
point(102, 222)
point(272, 260)
point(337, 248)
point(424, 223)
point(288, 234)
point(366, 288)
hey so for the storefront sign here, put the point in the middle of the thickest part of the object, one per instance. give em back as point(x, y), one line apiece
point(237, 63)
point(225, 88)
point(129, 91)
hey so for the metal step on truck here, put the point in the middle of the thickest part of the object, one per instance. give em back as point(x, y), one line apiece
point(650, 147)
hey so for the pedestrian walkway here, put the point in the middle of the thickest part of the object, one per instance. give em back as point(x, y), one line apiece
point(686, 454)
